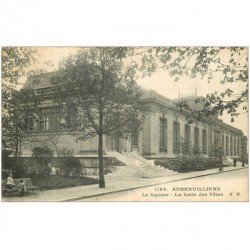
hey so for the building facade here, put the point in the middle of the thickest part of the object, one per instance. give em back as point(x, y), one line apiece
point(165, 129)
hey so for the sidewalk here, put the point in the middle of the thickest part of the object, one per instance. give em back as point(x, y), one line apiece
point(113, 185)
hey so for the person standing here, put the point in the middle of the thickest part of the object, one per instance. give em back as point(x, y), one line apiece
point(22, 188)
point(235, 161)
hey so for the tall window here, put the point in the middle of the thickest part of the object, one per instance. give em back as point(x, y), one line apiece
point(187, 132)
point(48, 119)
point(227, 147)
point(204, 141)
point(234, 146)
point(176, 137)
point(217, 138)
point(196, 137)
point(163, 135)
point(231, 145)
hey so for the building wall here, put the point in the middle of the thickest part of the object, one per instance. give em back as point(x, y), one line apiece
point(149, 137)
point(46, 139)
point(151, 130)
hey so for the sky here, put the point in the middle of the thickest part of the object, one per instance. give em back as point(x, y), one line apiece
point(160, 81)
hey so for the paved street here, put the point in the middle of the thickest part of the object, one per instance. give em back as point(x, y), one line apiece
point(125, 187)
point(227, 186)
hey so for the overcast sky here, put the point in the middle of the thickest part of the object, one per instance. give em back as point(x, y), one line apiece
point(160, 81)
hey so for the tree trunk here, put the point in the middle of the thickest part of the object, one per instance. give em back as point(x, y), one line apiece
point(14, 167)
point(100, 159)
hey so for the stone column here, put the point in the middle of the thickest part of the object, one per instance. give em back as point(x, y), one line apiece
point(240, 145)
point(151, 134)
point(182, 129)
point(225, 146)
point(235, 148)
point(141, 150)
point(147, 133)
point(230, 143)
point(170, 121)
point(127, 146)
point(155, 134)
point(238, 142)
point(236, 145)
point(233, 145)
point(182, 132)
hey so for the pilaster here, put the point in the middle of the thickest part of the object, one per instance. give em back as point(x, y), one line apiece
point(170, 121)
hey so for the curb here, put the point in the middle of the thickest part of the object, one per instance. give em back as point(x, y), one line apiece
point(144, 186)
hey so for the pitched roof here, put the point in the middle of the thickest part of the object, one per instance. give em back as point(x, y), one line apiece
point(39, 81)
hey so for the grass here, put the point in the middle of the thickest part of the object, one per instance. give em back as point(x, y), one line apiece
point(56, 181)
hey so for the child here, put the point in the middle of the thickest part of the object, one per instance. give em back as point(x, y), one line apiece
point(22, 188)
point(10, 183)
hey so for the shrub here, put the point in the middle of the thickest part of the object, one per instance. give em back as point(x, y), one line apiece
point(164, 163)
point(189, 163)
point(71, 166)
point(191, 159)
point(20, 168)
point(196, 150)
point(215, 151)
point(186, 147)
point(42, 157)
point(213, 162)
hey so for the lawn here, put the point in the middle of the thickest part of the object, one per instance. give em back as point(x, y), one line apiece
point(55, 181)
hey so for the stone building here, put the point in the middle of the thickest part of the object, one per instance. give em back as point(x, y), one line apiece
point(164, 130)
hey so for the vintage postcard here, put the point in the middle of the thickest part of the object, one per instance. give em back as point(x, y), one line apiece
point(124, 124)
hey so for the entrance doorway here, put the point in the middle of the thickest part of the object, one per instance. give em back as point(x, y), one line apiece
point(115, 144)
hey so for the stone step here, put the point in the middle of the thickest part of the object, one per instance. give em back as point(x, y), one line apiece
point(136, 167)
point(151, 171)
point(156, 169)
point(139, 173)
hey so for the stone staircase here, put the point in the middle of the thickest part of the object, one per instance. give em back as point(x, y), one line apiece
point(137, 167)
